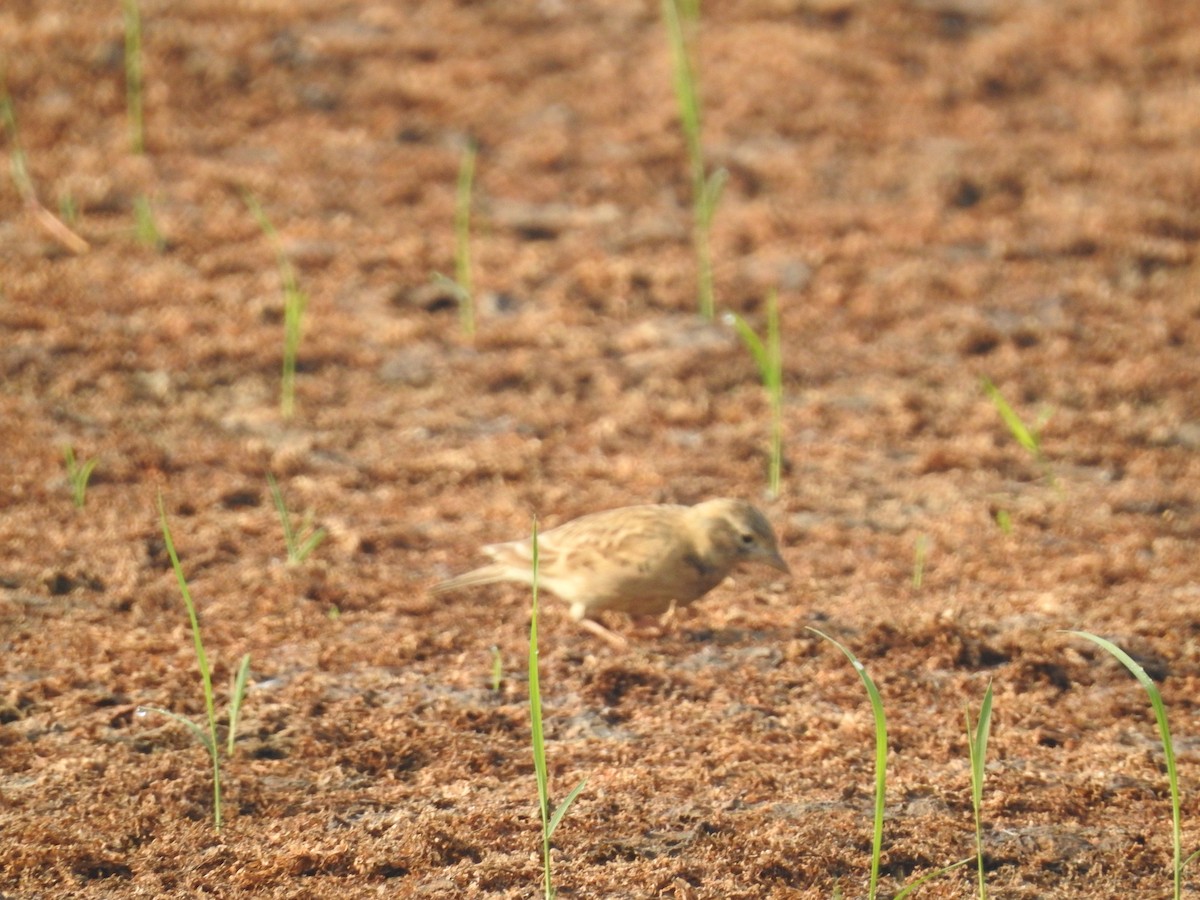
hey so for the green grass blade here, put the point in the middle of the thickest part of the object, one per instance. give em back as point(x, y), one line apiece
point(200, 734)
point(78, 475)
point(298, 548)
point(146, 229)
point(920, 551)
point(928, 876)
point(880, 757)
point(201, 659)
point(1164, 730)
point(768, 358)
point(1023, 435)
point(706, 190)
point(133, 74)
point(773, 381)
point(537, 736)
point(684, 83)
point(295, 302)
point(235, 701)
point(714, 185)
point(565, 805)
point(977, 741)
point(758, 350)
point(285, 519)
point(311, 543)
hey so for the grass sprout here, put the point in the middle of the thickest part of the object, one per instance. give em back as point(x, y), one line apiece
point(133, 74)
point(207, 733)
point(881, 746)
point(299, 543)
point(1028, 436)
point(68, 209)
point(78, 474)
point(768, 357)
point(679, 15)
point(145, 227)
point(19, 169)
point(461, 285)
point(550, 820)
point(295, 301)
point(977, 740)
point(1168, 745)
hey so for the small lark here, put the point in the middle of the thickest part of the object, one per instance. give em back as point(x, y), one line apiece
point(640, 560)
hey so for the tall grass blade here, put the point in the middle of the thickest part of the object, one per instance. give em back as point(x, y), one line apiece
point(768, 358)
point(295, 302)
point(706, 189)
point(210, 740)
point(880, 757)
point(133, 75)
point(977, 741)
point(538, 739)
point(1164, 731)
point(880, 776)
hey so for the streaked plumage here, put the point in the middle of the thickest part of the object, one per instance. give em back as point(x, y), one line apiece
point(640, 560)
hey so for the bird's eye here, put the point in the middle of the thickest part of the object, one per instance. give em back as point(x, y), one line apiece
point(747, 540)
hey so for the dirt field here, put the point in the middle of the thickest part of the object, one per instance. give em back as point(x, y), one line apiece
point(941, 190)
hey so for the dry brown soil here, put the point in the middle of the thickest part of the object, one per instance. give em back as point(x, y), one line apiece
point(940, 189)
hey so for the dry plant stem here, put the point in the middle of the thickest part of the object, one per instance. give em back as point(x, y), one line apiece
point(55, 228)
point(48, 222)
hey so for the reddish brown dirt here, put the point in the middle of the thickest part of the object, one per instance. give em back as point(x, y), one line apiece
point(940, 190)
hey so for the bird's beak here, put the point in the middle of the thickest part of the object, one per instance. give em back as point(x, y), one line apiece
point(775, 561)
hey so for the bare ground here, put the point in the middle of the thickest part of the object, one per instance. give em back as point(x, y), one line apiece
point(940, 191)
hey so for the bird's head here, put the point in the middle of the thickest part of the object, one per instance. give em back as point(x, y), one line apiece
point(740, 529)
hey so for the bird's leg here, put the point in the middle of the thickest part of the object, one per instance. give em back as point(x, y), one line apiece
point(605, 634)
point(668, 618)
point(660, 623)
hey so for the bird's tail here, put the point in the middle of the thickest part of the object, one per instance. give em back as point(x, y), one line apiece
point(489, 574)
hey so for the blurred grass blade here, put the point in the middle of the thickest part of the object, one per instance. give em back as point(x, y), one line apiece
point(235, 701)
point(1016, 425)
point(133, 75)
point(210, 740)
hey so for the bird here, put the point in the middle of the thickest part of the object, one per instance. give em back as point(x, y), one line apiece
point(640, 560)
